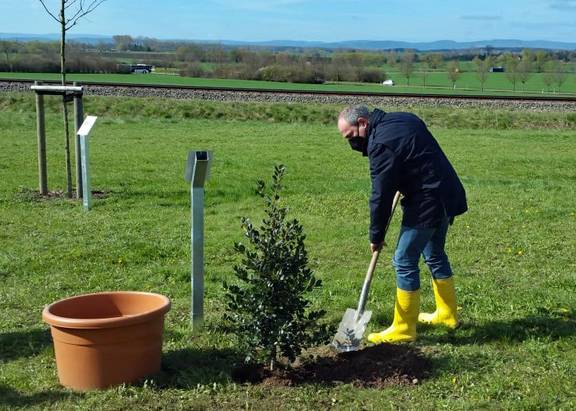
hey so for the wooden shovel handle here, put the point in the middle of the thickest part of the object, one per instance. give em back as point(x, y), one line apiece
point(394, 204)
point(373, 261)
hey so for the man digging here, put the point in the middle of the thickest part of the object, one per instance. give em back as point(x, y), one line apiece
point(405, 157)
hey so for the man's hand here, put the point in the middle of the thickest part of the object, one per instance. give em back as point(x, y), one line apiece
point(377, 247)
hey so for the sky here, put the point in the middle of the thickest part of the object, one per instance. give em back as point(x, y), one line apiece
point(309, 20)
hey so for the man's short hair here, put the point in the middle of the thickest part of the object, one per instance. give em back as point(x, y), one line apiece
point(353, 113)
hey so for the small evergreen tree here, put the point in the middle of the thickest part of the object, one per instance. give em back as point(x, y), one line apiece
point(268, 309)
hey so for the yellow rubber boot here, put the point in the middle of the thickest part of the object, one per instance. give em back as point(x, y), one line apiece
point(445, 297)
point(403, 328)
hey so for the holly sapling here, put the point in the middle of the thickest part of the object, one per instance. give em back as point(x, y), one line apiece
point(267, 308)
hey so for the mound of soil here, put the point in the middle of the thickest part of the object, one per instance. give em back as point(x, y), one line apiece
point(375, 367)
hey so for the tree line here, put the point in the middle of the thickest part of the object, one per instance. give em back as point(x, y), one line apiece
point(44, 57)
point(289, 64)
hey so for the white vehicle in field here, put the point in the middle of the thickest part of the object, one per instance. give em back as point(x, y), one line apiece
point(388, 82)
point(140, 68)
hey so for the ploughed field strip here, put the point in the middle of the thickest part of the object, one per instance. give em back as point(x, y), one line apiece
point(543, 104)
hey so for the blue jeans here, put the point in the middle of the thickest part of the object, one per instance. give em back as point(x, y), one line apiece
point(428, 242)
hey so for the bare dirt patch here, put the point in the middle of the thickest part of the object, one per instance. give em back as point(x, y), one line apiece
point(30, 195)
point(376, 367)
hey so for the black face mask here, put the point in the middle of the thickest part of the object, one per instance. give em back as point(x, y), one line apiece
point(357, 143)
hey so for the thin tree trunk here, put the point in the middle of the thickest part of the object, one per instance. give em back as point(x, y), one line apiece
point(8, 62)
point(273, 358)
point(64, 103)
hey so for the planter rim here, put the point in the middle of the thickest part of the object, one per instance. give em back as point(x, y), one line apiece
point(111, 322)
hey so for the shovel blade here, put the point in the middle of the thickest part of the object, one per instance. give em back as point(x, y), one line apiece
point(351, 331)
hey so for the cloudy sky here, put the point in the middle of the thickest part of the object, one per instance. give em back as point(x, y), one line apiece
point(323, 20)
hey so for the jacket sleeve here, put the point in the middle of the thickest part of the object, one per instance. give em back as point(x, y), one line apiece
point(383, 173)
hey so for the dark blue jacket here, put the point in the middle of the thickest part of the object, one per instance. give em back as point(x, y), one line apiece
point(405, 157)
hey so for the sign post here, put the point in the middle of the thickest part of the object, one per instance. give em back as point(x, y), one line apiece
point(197, 172)
point(83, 134)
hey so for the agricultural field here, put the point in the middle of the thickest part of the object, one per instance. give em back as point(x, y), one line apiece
point(496, 83)
point(432, 83)
point(512, 252)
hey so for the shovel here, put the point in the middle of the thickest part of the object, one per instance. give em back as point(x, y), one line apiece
point(353, 324)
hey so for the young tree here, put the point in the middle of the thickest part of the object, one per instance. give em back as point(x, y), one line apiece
point(436, 61)
point(190, 53)
point(268, 309)
point(511, 68)
point(548, 75)
point(407, 65)
point(217, 54)
point(392, 58)
point(557, 72)
point(482, 69)
point(76, 9)
point(524, 70)
point(284, 58)
point(425, 71)
point(528, 56)
point(341, 72)
point(453, 72)
point(353, 58)
point(541, 59)
point(123, 42)
point(8, 48)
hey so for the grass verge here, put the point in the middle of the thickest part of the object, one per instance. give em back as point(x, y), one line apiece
point(512, 252)
point(135, 109)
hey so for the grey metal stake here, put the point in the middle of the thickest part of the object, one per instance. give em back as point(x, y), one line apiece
point(197, 172)
point(86, 189)
point(197, 252)
point(83, 134)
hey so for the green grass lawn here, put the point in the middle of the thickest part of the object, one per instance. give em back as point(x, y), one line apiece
point(436, 83)
point(513, 255)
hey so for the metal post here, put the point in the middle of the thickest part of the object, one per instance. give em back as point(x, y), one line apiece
point(82, 135)
point(41, 132)
point(78, 120)
point(197, 251)
point(197, 172)
point(87, 194)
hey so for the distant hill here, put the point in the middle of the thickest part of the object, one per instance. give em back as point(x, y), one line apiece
point(81, 38)
point(352, 44)
point(423, 46)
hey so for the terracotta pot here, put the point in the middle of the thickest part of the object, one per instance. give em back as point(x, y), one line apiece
point(106, 339)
